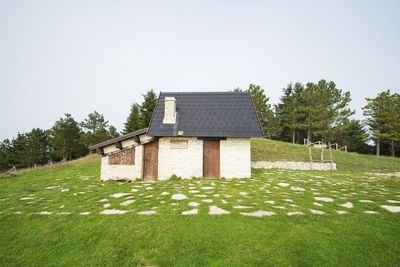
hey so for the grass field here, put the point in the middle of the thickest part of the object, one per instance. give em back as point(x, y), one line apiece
point(307, 218)
point(269, 150)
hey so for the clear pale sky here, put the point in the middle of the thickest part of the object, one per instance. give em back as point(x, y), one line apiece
point(80, 56)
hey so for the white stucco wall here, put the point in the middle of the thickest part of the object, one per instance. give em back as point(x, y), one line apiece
point(183, 162)
point(235, 158)
point(115, 172)
point(187, 162)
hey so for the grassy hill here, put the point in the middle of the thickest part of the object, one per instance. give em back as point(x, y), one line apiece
point(268, 150)
point(56, 216)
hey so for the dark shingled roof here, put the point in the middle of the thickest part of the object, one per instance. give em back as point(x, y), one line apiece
point(208, 114)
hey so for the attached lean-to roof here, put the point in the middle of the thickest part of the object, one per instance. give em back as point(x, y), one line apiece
point(208, 114)
point(118, 139)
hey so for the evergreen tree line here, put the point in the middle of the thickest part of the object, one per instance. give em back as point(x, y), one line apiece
point(320, 111)
point(313, 111)
point(69, 139)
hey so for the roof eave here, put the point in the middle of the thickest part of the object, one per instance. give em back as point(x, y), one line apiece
point(118, 139)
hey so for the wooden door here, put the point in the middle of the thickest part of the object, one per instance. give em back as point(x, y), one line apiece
point(211, 158)
point(150, 160)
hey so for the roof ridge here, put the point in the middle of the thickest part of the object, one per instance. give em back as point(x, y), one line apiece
point(206, 92)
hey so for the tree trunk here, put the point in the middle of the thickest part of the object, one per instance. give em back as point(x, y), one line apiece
point(309, 134)
point(294, 136)
point(393, 152)
point(378, 147)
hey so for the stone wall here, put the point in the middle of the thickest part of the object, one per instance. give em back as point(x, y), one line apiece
point(294, 165)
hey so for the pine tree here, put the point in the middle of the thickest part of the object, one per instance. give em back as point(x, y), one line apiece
point(65, 139)
point(287, 111)
point(133, 121)
point(112, 132)
point(322, 107)
point(146, 108)
point(95, 129)
point(4, 156)
point(264, 111)
point(383, 119)
point(350, 133)
point(38, 146)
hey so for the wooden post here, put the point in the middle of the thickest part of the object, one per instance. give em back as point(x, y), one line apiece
point(322, 154)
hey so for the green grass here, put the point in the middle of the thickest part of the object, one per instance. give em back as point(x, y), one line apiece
point(269, 150)
point(168, 238)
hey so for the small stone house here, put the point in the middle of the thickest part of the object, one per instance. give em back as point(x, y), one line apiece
point(203, 134)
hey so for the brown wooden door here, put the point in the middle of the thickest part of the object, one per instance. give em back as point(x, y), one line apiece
point(150, 168)
point(211, 158)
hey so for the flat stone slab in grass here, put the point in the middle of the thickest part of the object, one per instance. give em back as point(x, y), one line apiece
point(190, 212)
point(207, 188)
point(214, 210)
point(27, 198)
point(147, 212)
point(118, 195)
point(348, 205)
point(84, 213)
point(365, 201)
point(324, 199)
point(317, 211)
point(279, 207)
point(295, 213)
point(269, 201)
point(318, 204)
point(393, 201)
point(371, 212)
point(127, 202)
point(194, 191)
point(207, 200)
point(165, 193)
point(296, 188)
point(103, 200)
point(393, 209)
point(113, 211)
point(258, 213)
point(340, 212)
point(107, 205)
point(243, 193)
point(45, 213)
point(283, 184)
point(193, 204)
point(242, 207)
point(52, 187)
point(64, 213)
point(178, 197)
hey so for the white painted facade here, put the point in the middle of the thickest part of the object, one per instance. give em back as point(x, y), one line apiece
point(235, 158)
point(183, 161)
